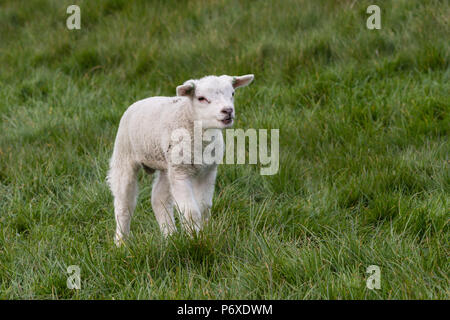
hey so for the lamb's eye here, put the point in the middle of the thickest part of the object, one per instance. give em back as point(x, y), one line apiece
point(202, 99)
point(232, 94)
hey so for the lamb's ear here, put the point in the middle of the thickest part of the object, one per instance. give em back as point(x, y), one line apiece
point(186, 89)
point(242, 81)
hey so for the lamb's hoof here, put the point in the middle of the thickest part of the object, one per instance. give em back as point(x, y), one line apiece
point(119, 241)
point(192, 231)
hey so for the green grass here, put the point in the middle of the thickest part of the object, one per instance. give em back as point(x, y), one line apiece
point(364, 124)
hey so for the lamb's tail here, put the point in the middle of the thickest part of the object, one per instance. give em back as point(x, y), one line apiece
point(121, 157)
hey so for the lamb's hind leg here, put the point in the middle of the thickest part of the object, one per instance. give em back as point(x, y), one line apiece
point(162, 203)
point(123, 183)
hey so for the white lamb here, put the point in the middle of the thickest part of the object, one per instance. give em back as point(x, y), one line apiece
point(144, 141)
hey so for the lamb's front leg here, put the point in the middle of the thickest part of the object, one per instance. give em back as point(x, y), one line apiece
point(204, 190)
point(183, 195)
point(162, 203)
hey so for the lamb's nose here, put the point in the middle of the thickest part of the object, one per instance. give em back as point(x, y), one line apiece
point(228, 111)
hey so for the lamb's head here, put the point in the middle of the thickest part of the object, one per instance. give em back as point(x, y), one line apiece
point(213, 98)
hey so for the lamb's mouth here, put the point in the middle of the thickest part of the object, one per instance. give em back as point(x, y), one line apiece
point(227, 120)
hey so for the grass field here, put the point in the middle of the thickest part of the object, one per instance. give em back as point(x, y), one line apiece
point(364, 169)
